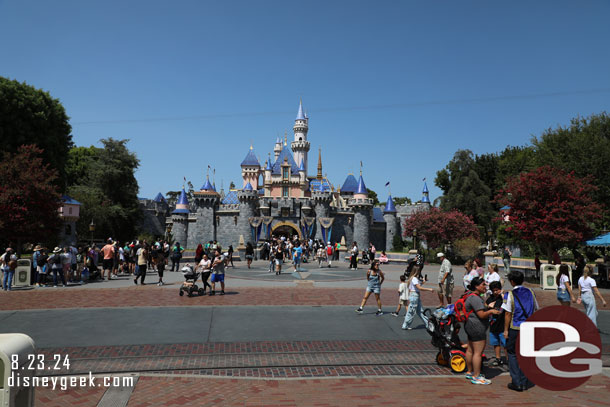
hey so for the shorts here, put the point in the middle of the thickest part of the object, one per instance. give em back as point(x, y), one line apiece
point(107, 264)
point(218, 278)
point(249, 257)
point(446, 289)
point(497, 339)
point(405, 303)
point(563, 296)
point(476, 336)
point(376, 289)
point(278, 262)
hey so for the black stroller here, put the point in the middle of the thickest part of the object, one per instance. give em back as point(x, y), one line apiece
point(443, 327)
point(190, 278)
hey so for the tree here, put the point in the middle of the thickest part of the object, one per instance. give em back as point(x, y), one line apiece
point(29, 200)
point(437, 227)
point(464, 190)
point(551, 208)
point(103, 180)
point(31, 116)
point(402, 200)
point(373, 195)
point(583, 147)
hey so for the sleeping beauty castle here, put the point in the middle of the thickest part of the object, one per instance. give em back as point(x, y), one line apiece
point(280, 197)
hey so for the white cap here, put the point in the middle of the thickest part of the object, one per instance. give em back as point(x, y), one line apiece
point(441, 254)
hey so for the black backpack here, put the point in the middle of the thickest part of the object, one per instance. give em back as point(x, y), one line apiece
point(56, 259)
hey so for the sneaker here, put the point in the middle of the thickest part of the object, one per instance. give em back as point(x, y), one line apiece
point(394, 314)
point(212, 293)
point(379, 313)
point(359, 311)
point(496, 362)
point(54, 286)
point(468, 376)
point(222, 293)
point(480, 380)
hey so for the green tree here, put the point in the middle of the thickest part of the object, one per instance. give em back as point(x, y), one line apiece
point(103, 180)
point(373, 196)
point(464, 190)
point(31, 116)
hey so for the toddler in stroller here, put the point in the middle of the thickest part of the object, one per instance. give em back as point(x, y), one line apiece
point(444, 329)
point(365, 257)
point(190, 278)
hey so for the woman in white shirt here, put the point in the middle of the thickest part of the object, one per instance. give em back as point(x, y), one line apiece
point(564, 289)
point(491, 276)
point(205, 265)
point(415, 286)
point(587, 286)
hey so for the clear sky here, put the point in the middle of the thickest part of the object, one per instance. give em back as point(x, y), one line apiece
point(398, 85)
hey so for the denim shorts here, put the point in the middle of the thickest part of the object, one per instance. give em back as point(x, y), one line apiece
point(497, 339)
point(563, 296)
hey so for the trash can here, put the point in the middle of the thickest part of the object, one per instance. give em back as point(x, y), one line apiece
point(548, 274)
point(23, 273)
point(16, 354)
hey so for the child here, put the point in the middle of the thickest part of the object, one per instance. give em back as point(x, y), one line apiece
point(496, 322)
point(320, 255)
point(403, 296)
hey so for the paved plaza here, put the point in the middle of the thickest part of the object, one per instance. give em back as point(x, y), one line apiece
point(288, 340)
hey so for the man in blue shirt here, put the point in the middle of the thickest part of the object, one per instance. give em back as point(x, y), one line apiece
point(297, 254)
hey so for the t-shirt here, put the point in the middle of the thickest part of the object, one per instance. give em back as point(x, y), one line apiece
point(108, 251)
point(413, 284)
point(586, 284)
point(496, 322)
point(220, 267)
point(404, 293)
point(468, 277)
point(205, 264)
point(445, 268)
point(141, 257)
point(474, 325)
point(562, 282)
point(297, 253)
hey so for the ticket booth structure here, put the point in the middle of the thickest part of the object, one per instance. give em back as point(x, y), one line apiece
point(16, 354)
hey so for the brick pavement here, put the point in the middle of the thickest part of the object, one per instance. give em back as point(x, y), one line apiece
point(153, 296)
point(353, 392)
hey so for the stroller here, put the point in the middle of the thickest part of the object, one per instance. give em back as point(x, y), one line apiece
point(189, 286)
point(365, 257)
point(443, 327)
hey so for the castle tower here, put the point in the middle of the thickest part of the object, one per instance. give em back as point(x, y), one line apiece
point(362, 207)
point(206, 203)
point(425, 198)
point(267, 177)
point(300, 145)
point(277, 148)
point(250, 169)
point(302, 179)
point(180, 217)
point(389, 215)
point(248, 199)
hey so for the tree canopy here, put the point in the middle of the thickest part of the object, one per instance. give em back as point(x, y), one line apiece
point(103, 180)
point(29, 199)
point(550, 207)
point(437, 227)
point(31, 116)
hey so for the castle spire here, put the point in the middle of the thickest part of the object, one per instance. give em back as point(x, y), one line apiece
point(319, 176)
point(300, 115)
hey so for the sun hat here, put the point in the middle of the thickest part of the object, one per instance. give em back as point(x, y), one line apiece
point(441, 254)
point(37, 247)
point(57, 250)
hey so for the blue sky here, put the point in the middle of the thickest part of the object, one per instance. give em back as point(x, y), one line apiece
point(398, 85)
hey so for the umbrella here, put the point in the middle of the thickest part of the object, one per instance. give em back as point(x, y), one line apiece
point(602, 240)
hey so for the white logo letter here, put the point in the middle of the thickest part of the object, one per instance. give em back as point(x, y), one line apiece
point(527, 339)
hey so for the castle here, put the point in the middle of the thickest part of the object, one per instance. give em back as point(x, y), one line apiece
point(287, 202)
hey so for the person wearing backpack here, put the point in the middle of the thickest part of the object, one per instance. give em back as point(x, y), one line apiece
point(520, 304)
point(57, 267)
point(329, 254)
point(476, 325)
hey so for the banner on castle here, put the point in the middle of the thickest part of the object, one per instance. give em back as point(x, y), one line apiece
point(267, 225)
point(326, 224)
point(306, 226)
point(255, 227)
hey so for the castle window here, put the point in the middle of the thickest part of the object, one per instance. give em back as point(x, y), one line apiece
point(285, 192)
point(285, 173)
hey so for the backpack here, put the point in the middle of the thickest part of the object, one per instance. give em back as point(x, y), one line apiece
point(329, 250)
point(459, 308)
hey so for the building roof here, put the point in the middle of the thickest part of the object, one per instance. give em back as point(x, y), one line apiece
point(389, 206)
point(350, 184)
point(425, 191)
point(361, 187)
point(248, 187)
point(70, 201)
point(277, 166)
point(378, 215)
point(230, 198)
point(319, 185)
point(269, 165)
point(159, 198)
point(300, 115)
point(207, 186)
point(183, 200)
point(250, 160)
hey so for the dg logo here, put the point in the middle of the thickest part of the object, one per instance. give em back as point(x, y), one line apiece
point(559, 348)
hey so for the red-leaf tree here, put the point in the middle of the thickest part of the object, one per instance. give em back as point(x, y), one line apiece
point(550, 207)
point(437, 227)
point(29, 200)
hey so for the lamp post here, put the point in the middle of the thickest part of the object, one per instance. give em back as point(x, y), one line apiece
point(92, 229)
point(415, 239)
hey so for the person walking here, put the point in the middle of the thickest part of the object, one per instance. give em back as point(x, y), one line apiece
point(161, 262)
point(8, 263)
point(374, 277)
point(476, 329)
point(249, 253)
point(198, 253)
point(279, 259)
point(372, 252)
point(587, 286)
point(520, 304)
point(142, 254)
point(565, 296)
point(353, 260)
point(206, 269)
point(297, 255)
point(415, 283)
point(445, 280)
point(230, 256)
point(330, 253)
point(176, 256)
point(218, 272)
point(506, 256)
